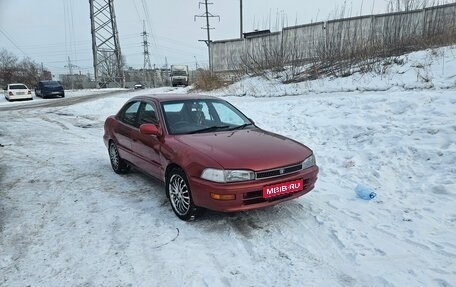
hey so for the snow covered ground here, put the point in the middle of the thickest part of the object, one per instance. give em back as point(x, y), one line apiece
point(66, 219)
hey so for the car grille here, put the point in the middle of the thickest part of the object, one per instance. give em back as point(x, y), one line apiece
point(278, 171)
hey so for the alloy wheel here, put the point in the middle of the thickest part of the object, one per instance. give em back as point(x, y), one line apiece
point(179, 194)
point(114, 156)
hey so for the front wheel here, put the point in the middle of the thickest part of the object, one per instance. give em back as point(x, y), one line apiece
point(117, 163)
point(180, 196)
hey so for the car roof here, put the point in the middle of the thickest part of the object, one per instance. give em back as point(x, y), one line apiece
point(172, 97)
point(17, 84)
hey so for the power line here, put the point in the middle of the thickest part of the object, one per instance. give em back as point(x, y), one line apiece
point(12, 42)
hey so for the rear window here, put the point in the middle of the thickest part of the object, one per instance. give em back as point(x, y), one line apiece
point(17, 87)
point(51, 84)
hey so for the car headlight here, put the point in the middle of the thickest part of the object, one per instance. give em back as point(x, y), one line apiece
point(309, 162)
point(221, 175)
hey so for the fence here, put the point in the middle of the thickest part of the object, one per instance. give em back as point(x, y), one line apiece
point(342, 38)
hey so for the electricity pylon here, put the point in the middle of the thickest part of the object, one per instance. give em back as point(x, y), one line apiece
point(208, 27)
point(147, 66)
point(107, 57)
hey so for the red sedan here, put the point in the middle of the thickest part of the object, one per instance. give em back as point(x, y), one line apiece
point(208, 153)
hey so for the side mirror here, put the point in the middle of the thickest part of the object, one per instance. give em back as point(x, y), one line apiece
point(149, 129)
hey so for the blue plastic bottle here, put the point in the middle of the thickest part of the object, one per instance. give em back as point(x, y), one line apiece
point(364, 192)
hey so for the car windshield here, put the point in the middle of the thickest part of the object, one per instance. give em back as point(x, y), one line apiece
point(179, 73)
point(202, 116)
point(51, 84)
point(18, 87)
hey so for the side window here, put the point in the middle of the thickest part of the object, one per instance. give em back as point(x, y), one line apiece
point(148, 114)
point(130, 114)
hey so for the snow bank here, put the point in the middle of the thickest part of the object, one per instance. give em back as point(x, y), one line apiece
point(429, 69)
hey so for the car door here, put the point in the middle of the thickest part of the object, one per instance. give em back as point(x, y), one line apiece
point(126, 124)
point(147, 147)
point(40, 89)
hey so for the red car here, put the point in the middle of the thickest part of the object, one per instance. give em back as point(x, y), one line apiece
point(208, 153)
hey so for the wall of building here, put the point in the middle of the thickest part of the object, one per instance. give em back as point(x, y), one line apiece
point(306, 42)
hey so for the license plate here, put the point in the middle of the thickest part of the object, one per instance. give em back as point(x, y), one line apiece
point(283, 188)
point(20, 93)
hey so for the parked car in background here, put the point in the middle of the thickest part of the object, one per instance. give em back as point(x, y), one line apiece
point(208, 154)
point(46, 89)
point(139, 86)
point(17, 91)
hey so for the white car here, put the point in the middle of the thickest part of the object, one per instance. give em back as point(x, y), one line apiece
point(17, 91)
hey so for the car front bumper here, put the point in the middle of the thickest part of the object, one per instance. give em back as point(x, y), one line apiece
point(248, 194)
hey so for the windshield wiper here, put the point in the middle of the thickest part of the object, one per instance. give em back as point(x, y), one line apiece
point(209, 129)
point(241, 127)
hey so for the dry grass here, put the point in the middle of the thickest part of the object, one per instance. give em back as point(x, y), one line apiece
point(207, 81)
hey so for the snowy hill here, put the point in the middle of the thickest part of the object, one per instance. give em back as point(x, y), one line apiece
point(433, 68)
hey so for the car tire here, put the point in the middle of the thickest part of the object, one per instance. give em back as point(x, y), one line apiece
point(117, 163)
point(180, 195)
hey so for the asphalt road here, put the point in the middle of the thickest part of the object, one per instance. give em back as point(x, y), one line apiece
point(58, 102)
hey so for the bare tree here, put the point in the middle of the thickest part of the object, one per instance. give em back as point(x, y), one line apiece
point(12, 70)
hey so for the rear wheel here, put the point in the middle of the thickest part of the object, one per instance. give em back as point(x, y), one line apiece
point(117, 163)
point(180, 195)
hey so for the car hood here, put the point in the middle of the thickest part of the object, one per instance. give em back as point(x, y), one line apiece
point(253, 149)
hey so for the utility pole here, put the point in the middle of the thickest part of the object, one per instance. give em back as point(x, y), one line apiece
point(42, 71)
point(147, 66)
point(107, 58)
point(70, 67)
point(241, 26)
point(207, 15)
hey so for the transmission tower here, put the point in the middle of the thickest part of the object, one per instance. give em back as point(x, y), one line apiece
point(107, 58)
point(70, 67)
point(147, 66)
point(208, 28)
point(146, 47)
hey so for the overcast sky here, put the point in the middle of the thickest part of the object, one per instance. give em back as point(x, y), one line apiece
point(50, 31)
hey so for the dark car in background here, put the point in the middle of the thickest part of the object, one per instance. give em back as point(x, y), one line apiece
point(46, 89)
